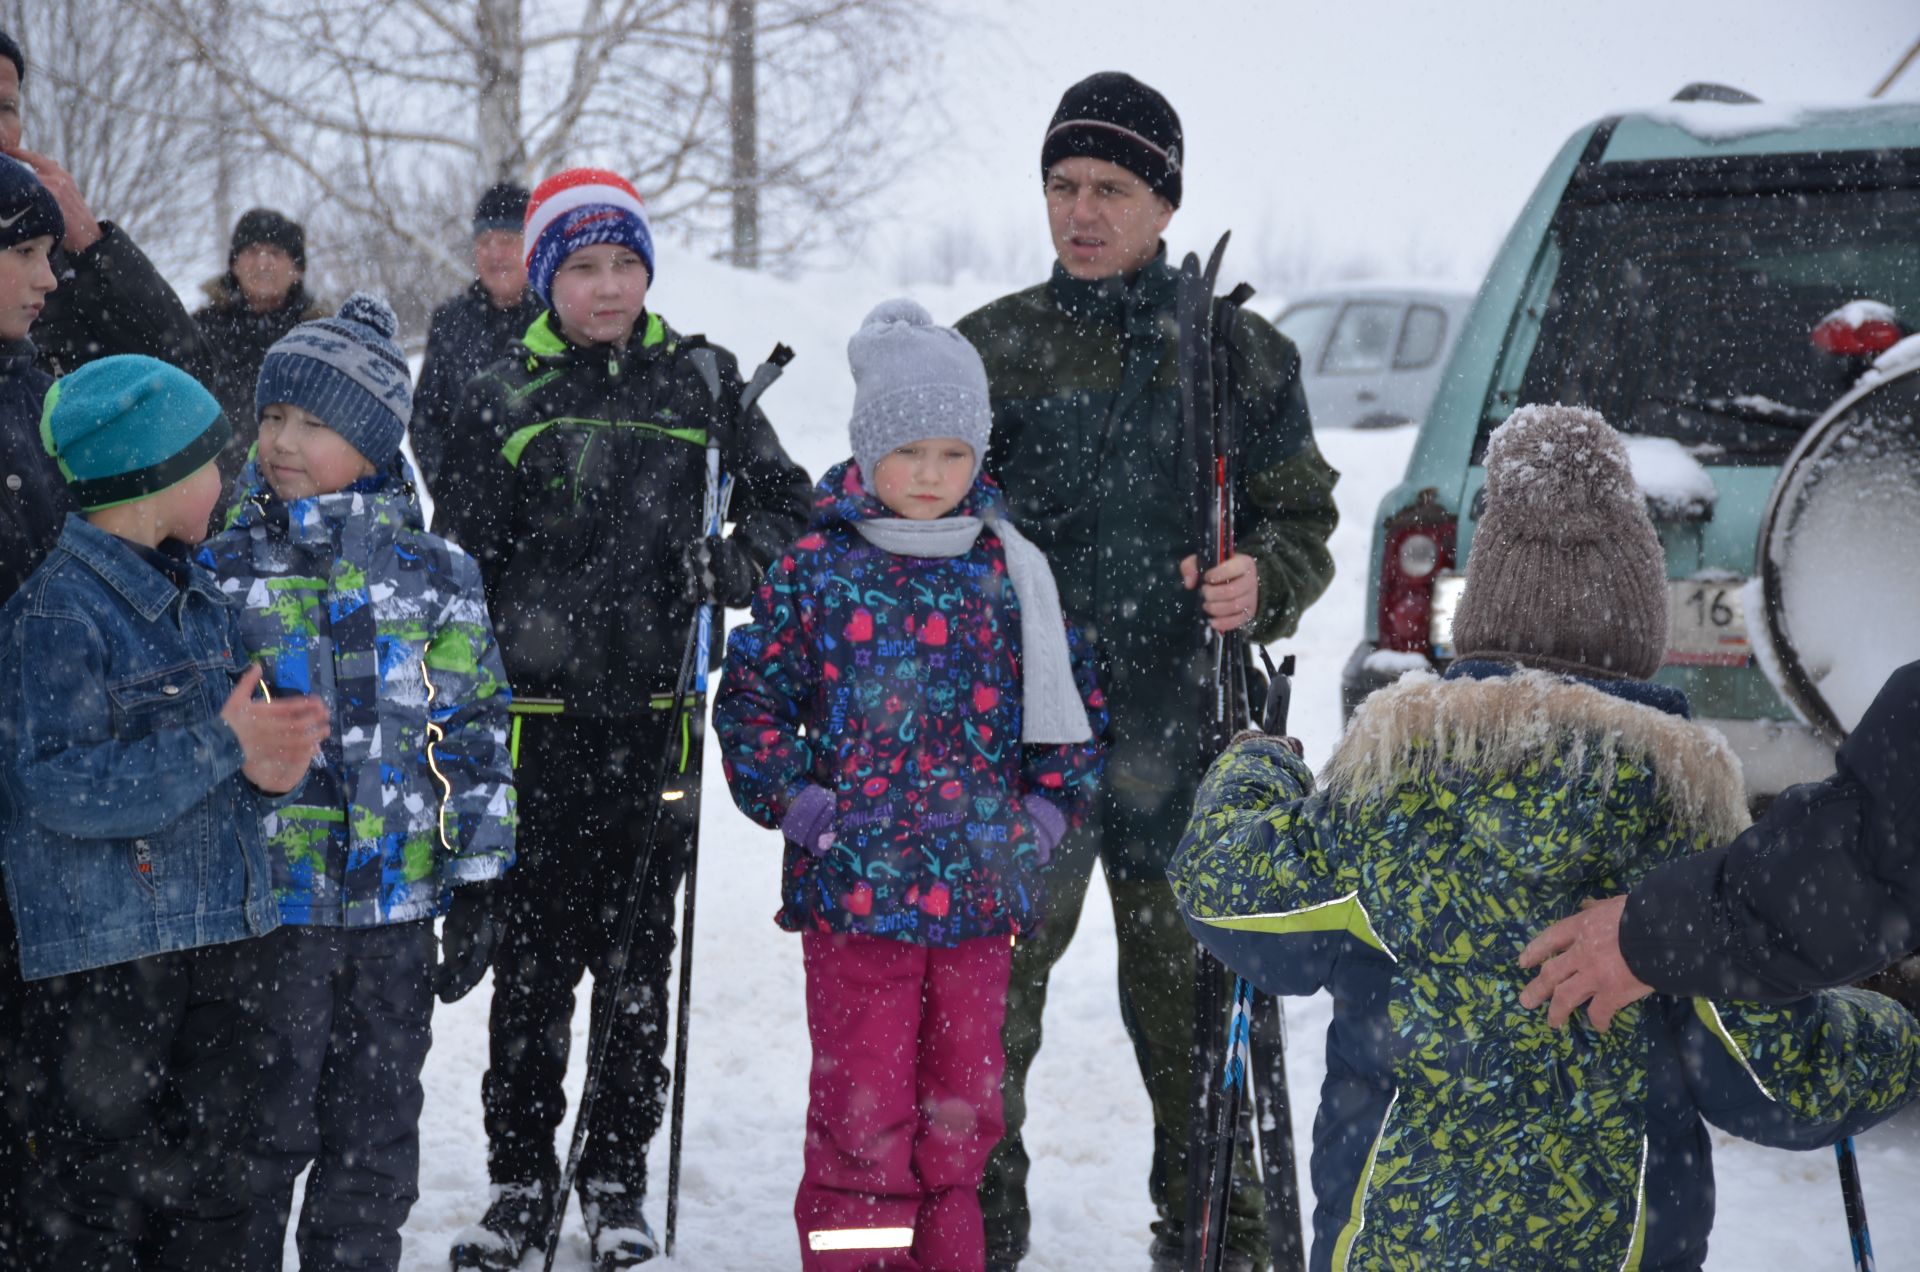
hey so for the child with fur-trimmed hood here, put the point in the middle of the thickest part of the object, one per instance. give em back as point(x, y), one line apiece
point(1457, 815)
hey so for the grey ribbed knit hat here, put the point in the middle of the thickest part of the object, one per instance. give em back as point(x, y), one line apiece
point(1566, 572)
point(913, 380)
point(347, 371)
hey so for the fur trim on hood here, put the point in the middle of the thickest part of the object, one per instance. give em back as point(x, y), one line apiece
point(1422, 724)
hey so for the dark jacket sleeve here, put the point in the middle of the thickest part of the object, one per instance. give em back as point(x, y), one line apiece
point(1286, 506)
point(471, 504)
point(771, 493)
point(1822, 891)
point(434, 399)
point(112, 300)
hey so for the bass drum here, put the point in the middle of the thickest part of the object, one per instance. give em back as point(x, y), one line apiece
point(1839, 554)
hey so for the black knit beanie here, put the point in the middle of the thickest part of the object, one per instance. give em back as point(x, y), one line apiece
point(1113, 116)
point(27, 208)
point(502, 207)
point(10, 50)
point(264, 225)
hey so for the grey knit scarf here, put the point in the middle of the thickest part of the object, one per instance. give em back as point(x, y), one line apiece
point(1051, 710)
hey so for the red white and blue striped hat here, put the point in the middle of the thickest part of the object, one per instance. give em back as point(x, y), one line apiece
point(575, 209)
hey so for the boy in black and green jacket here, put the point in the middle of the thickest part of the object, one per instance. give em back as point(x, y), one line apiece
point(586, 521)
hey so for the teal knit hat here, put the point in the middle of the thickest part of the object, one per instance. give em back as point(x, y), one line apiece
point(129, 426)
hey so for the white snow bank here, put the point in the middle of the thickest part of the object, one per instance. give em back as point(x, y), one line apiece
point(1676, 485)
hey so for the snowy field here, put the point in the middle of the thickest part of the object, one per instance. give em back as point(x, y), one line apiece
point(1089, 1130)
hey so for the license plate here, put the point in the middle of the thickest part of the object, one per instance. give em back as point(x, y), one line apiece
point(1706, 623)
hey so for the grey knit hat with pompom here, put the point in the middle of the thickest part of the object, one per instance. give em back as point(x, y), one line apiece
point(1566, 572)
point(347, 372)
point(913, 380)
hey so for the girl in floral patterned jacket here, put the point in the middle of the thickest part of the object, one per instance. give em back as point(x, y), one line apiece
point(910, 709)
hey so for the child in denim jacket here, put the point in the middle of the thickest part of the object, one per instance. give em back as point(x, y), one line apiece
point(409, 813)
point(136, 767)
point(910, 708)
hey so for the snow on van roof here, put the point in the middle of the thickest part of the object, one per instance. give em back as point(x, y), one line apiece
point(1686, 129)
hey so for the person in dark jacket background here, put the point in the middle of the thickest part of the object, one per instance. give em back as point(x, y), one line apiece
point(583, 508)
point(1086, 431)
point(34, 503)
point(472, 330)
point(1823, 890)
point(261, 297)
point(110, 299)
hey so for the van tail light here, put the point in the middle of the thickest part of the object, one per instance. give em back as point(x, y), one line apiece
point(1419, 547)
point(1861, 329)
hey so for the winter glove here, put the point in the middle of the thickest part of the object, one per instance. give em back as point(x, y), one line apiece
point(809, 820)
point(719, 572)
point(1049, 825)
point(467, 938)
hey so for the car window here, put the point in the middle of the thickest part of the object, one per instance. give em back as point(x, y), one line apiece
point(1420, 338)
point(1691, 316)
point(1362, 339)
point(1306, 325)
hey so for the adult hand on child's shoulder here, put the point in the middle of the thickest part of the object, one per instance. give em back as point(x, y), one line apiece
point(1580, 962)
point(278, 739)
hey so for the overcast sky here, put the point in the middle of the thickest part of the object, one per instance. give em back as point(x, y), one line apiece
point(1407, 133)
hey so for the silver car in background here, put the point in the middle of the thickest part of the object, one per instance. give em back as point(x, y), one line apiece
point(1371, 354)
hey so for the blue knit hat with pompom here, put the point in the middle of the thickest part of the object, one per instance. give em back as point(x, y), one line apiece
point(347, 372)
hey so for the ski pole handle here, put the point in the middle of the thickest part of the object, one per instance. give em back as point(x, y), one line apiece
point(1273, 717)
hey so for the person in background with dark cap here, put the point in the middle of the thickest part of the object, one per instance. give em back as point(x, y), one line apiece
point(473, 329)
point(110, 298)
point(260, 298)
point(1086, 422)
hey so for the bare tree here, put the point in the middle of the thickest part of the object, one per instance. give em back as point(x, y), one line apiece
point(114, 102)
point(387, 116)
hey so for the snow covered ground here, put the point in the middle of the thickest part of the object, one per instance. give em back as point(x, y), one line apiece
point(1089, 1130)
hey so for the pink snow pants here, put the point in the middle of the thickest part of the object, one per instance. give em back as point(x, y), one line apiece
point(903, 1104)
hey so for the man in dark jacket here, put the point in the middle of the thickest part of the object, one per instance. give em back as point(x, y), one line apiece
point(472, 330)
point(34, 503)
point(1087, 444)
point(111, 299)
point(260, 298)
point(1822, 891)
point(584, 512)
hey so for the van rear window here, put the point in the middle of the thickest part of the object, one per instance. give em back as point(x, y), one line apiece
point(1691, 317)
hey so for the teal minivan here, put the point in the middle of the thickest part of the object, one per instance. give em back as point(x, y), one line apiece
point(1711, 278)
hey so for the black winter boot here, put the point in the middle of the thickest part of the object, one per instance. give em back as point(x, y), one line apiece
point(515, 1221)
point(616, 1229)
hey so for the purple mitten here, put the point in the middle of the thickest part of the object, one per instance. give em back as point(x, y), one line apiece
point(1049, 824)
point(809, 820)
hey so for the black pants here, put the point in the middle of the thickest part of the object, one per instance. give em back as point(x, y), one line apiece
point(16, 1091)
point(150, 1070)
point(349, 1011)
point(587, 797)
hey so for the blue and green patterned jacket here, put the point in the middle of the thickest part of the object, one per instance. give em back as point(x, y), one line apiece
point(348, 597)
point(1456, 1130)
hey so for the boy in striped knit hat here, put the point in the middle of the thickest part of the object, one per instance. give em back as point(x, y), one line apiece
point(585, 517)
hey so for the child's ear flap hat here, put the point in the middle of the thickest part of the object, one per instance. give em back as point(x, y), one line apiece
point(1566, 572)
point(129, 426)
point(578, 208)
point(912, 380)
point(347, 372)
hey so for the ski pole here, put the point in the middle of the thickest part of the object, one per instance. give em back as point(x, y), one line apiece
point(713, 521)
point(697, 630)
point(1856, 1204)
point(714, 517)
